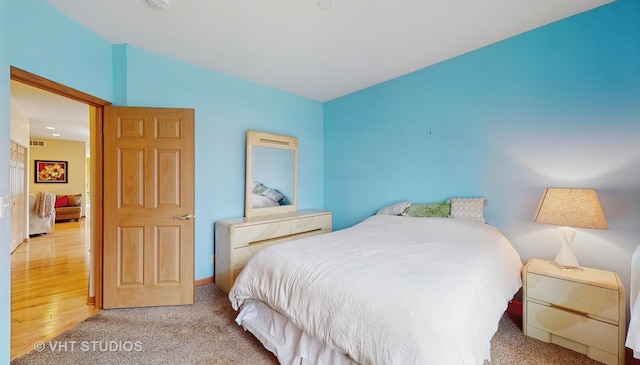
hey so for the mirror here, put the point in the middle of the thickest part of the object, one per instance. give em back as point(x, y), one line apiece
point(272, 174)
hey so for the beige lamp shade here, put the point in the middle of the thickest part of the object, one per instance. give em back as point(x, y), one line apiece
point(571, 207)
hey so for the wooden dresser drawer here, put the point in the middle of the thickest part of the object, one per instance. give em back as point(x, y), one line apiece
point(576, 327)
point(311, 223)
point(238, 239)
point(591, 300)
point(244, 235)
point(242, 255)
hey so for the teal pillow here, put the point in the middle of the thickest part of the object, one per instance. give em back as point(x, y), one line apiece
point(429, 210)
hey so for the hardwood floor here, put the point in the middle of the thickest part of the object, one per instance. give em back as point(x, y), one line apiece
point(49, 285)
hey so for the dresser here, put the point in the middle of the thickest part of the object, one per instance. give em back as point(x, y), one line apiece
point(236, 240)
point(582, 310)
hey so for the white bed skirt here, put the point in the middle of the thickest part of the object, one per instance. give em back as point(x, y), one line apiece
point(289, 343)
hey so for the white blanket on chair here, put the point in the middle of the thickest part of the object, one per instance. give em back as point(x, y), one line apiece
point(45, 204)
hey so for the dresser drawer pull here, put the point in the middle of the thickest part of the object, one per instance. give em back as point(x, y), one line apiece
point(283, 238)
point(269, 240)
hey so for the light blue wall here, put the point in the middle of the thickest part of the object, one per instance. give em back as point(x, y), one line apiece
point(45, 42)
point(226, 108)
point(49, 44)
point(5, 225)
point(557, 106)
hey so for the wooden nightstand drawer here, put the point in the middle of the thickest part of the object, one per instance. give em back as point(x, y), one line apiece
point(243, 235)
point(588, 299)
point(312, 223)
point(574, 326)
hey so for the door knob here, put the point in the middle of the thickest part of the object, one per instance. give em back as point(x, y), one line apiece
point(185, 217)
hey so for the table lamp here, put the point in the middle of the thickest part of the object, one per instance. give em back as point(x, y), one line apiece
point(568, 208)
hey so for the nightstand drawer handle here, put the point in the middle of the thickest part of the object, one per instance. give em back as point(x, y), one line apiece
point(570, 310)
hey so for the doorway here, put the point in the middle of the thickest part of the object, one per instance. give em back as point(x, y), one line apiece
point(94, 292)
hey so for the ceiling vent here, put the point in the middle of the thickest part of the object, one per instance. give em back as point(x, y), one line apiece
point(37, 143)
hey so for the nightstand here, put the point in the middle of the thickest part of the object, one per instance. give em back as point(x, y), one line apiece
point(582, 310)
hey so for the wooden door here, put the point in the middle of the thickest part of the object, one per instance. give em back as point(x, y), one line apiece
point(17, 165)
point(148, 205)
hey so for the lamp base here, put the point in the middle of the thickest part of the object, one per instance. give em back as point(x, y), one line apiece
point(566, 259)
point(565, 267)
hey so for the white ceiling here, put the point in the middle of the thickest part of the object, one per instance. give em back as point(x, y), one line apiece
point(44, 109)
point(322, 54)
point(318, 52)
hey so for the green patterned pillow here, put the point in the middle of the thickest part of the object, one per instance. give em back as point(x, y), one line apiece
point(258, 188)
point(429, 210)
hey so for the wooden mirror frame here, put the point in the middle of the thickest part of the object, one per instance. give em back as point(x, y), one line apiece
point(269, 140)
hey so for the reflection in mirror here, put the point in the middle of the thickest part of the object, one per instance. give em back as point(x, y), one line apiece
point(271, 176)
point(273, 169)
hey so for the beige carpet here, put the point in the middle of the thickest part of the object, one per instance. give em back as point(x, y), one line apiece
point(206, 333)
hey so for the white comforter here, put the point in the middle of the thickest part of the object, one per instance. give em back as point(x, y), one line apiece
point(391, 290)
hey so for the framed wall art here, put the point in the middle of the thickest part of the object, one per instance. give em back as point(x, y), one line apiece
point(51, 171)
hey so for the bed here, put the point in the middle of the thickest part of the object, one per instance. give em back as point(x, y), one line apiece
point(389, 290)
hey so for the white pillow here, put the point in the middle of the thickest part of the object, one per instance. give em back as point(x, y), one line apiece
point(274, 194)
point(260, 201)
point(394, 209)
point(468, 208)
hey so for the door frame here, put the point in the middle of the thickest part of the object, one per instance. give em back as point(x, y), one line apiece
point(97, 191)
